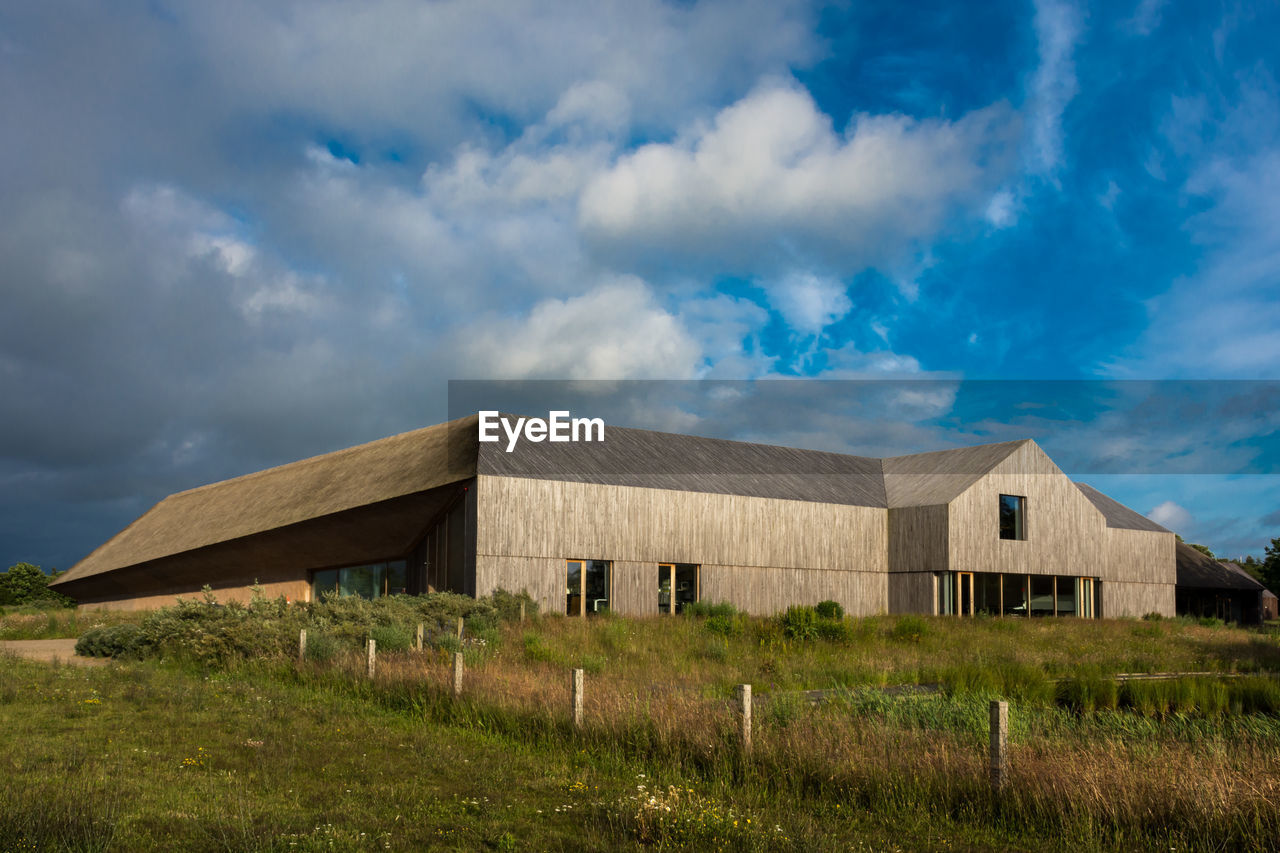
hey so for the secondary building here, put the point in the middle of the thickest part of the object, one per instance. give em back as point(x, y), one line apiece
point(646, 523)
point(1218, 588)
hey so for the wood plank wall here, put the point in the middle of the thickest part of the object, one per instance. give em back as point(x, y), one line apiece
point(1136, 599)
point(1142, 568)
point(526, 529)
point(913, 592)
point(918, 539)
point(1064, 531)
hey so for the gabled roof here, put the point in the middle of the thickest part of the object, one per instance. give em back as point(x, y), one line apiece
point(690, 463)
point(1197, 570)
point(1117, 514)
point(940, 476)
point(372, 473)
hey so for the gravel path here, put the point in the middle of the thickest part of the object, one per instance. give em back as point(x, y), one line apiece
point(47, 650)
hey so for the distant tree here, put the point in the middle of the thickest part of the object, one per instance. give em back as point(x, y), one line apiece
point(1203, 549)
point(1252, 565)
point(1271, 566)
point(25, 583)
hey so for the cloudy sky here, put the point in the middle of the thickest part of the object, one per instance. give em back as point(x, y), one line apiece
point(236, 234)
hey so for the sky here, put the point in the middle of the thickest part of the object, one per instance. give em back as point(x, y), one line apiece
point(237, 234)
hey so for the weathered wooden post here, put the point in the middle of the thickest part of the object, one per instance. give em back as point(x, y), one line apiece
point(522, 610)
point(302, 645)
point(459, 629)
point(744, 711)
point(419, 638)
point(373, 655)
point(457, 674)
point(575, 696)
point(999, 745)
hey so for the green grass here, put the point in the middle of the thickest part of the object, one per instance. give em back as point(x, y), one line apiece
point(272, 754)
point(45, 622)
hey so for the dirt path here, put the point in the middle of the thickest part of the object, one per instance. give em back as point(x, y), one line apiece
point(47, 650)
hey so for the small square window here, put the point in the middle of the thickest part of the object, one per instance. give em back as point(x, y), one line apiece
point(1013, 517)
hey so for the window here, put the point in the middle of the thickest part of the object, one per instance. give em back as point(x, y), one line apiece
point(677, 586)
point(1013, 517)
point(997, 593)
point(587, 585)
point(372, 580)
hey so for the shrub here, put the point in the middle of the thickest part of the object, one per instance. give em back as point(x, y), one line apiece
point(392, 638)
point(111, 641)
point(835, 630)
point(724, 625)
point(909, 629)
point(1153, 617)
point(800, 622)
point(321, 648)
point(830, 609)
point(706, 609)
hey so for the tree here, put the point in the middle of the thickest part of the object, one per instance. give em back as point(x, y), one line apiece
point(1203, 549)
point(1271, 566)
point(25, 583)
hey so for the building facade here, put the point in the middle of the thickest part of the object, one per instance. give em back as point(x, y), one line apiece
point(644, 523)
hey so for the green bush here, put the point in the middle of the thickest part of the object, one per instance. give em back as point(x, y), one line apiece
point(321, 648)
point(834, 630)
point(830, 609)
point(392, 638)
point(705, 609)
point(111, 641)
point(724, 625)
point(800, 622)
point(909, 629)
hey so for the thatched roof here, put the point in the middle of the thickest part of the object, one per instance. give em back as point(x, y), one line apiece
point(1197, 570)
point(383, 470)
point(938, 477)
point(658, 460)
point(1117, 514)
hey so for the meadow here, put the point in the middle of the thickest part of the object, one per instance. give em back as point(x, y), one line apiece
point(257, 750)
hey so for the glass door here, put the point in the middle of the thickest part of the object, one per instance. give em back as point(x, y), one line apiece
point(666, 572)
point(573, 595)
point(964, 593)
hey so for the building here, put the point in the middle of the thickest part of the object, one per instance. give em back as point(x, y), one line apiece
point(645, 523)
point(1217, 588)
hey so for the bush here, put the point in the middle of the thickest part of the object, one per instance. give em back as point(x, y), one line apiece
point(830, 609)
point(800, 622)
point(1153, 616)
point(724, 625)
point(909, 629)
point(835, 630)
point(706, 610)
point(393, 638)
point(112, 641)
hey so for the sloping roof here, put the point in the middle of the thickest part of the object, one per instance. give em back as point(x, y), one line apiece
point(658, 460)
point(1117, 514)
point(382, 470)
point(1197, 570)
point(938, 477)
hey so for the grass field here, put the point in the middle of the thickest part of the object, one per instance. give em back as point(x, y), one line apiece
point(275, 755)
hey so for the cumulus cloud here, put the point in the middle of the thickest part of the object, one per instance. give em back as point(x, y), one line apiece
point(809, 303)
point(614, 331)
point(770, 180)
point(1170, 515)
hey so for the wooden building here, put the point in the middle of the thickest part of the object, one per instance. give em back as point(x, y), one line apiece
point(1217, 588)
point(646, 523)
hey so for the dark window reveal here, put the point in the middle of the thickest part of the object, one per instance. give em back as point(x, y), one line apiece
point(1012, 517)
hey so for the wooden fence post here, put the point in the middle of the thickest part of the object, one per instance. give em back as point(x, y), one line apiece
point(522, 610)
point(459, 629)
point(457, 674)
point(744, 710)
point(302, 645)
point(575, 696)
point(999, 745)
point(373, 655)
point(419, 636)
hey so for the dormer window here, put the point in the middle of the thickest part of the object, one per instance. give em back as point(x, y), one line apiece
point(1013, 517)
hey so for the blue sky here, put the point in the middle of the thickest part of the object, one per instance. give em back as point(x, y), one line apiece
point(238, 234)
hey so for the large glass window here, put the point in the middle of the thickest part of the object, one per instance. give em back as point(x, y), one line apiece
point(997, 593)
point(1015, 594)
point(1041, 595)
point(371, 580)
point(1066, 596)
point(1013, 517)
point(677, 586)
point(587, 586)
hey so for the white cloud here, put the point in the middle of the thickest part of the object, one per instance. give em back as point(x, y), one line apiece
point(769, 180)
point(1058, 24)
point(614, 331)
point(1171, 515)
point(809, 303)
